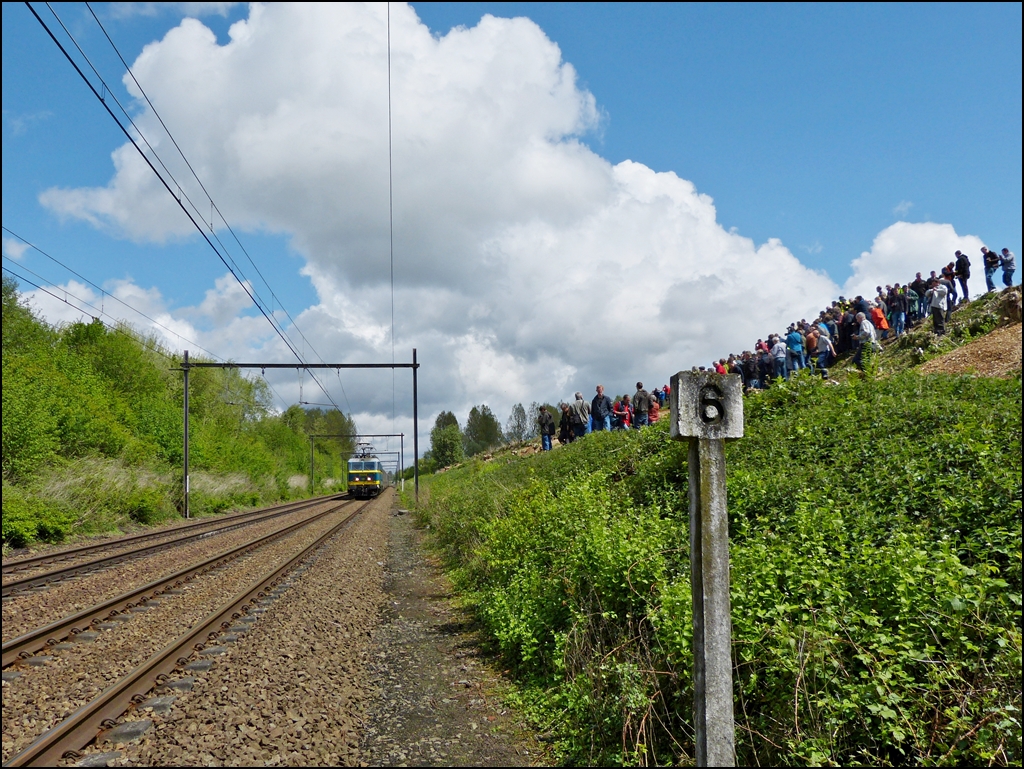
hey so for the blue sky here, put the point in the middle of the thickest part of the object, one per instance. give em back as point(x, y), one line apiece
point(817, 125)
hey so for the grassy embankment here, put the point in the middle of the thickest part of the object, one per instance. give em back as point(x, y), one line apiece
point(92, 433)
point(876, 577)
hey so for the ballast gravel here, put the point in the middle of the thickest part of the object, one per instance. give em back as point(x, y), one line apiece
point(109, 544)
point(26, 611)
point(291, 690)
point(74, 674)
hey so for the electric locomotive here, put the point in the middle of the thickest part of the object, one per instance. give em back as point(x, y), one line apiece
point(365, 476)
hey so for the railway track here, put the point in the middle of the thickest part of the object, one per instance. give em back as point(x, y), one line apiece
point(137, 547)
point(81, 727)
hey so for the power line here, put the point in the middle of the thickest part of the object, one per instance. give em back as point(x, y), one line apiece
point(111, 326)
point(209, 197)
point(107, 293)
point(391, 221)
point(64, 299)
point(232, 268)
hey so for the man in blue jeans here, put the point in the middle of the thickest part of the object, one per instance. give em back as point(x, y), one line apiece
point(601, 410)
point(547, 428)
point(641, 406)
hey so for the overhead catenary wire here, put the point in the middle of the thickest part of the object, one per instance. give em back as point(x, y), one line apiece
point(117, 324)
point(391, 221)
point(224, 257)
point(104, 292)
point(209, 197)
point(111, 326)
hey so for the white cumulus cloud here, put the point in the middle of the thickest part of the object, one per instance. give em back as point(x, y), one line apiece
point(526, 265)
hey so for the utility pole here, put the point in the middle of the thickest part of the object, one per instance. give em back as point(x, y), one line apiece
point(184, 366)
point(415, 430)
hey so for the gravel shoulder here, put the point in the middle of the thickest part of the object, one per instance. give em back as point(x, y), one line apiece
point(437, 698)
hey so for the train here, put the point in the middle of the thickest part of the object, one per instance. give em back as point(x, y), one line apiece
point(366, 476)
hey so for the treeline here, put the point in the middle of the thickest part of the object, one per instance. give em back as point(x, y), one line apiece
point(875, 531)
point(450, 443)
point(93, 433)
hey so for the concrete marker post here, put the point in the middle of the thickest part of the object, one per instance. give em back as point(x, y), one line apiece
point(707, 410)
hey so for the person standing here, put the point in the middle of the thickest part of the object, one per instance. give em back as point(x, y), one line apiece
point(1009, 264)
point(794, 349)
point(962, 267)
point(825, 350)
point(936, 296)
point(641, 406)
point(565, 431)
point(866, 338)
point(601, 410)
point(580, 414)
point(546, 422)
point(992, 262)
point(779, 353)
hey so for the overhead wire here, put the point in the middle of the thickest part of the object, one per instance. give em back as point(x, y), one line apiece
point(224, 257)
point(117, 325)
point(64, 299)
point(391, 224)
point(209, 197)
point(152, 320)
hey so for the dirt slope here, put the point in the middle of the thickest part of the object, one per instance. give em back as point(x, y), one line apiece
point(996, 354)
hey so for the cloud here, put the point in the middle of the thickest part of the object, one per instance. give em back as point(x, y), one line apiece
point(19, 124)
point(904, 249)
point(526, 266)
point(14, 249)
point(129, 10)
point(902, 208)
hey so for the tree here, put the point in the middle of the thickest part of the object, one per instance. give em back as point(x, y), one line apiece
point(519, 429)
point(444, 419)
point(446, 445)
point(483, 431)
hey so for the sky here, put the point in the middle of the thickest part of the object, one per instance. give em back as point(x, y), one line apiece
point(581, 193)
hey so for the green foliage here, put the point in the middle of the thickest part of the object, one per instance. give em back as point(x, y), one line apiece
point(89, 406)
point(446, 445)
point(876, 577)
point(483, 431)
point(446, 419)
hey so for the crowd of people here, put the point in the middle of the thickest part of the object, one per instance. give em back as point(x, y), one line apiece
point(849, 325)
point(582, 417)
point(856, 325)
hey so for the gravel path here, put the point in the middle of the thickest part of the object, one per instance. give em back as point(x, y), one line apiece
point(292, 690)
point(72, 674)
point(26, 611)
point(438, 700)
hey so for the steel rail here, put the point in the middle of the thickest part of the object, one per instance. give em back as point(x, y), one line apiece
point(82, 726)
point(31, 642)
point(54, 575)
point(34, 561)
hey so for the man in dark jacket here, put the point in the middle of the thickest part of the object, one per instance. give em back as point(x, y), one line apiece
point(547, 428)
point(962, 268)
point(601, 410)
point(641, 406)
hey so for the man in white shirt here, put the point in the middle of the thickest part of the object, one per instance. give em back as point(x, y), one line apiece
point(936, 297)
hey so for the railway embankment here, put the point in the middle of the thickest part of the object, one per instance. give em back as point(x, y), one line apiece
point(876, 572)
point(93, 434)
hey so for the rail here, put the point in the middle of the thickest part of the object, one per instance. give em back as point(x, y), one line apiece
point(82, 726)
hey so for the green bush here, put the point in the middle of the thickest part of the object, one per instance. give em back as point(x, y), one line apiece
point(876, 577)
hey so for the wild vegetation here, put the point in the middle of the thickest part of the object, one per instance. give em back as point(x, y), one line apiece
point(875, 534)
point(92, 432)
